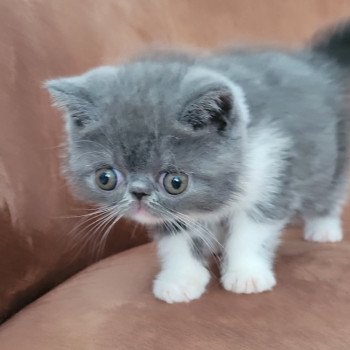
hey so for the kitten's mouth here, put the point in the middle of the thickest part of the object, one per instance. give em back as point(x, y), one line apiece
point(140, 212)
point(140, 208)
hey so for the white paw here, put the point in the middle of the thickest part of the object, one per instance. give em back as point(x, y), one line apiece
point(178, 287)
point(248, 280)
point(327, 229)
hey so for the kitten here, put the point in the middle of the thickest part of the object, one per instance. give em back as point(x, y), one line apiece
point(214, 154)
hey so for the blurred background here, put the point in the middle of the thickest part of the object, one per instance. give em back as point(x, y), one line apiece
point(41, 243)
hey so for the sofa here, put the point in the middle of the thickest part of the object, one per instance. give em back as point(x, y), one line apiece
point(63, 289)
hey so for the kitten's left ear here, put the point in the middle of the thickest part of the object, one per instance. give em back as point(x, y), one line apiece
point(70, 95)
point(218, 105)
point(209, 108)
point(213, 102)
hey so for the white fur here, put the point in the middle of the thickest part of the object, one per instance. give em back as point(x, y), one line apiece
point(249, 279)
point(182, 277)
point(250, 245)
point(263, 165)
point(323, 229)
point(248, 255)
point(146, 218)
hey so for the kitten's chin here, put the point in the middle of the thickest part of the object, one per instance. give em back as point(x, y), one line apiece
point(141, 215)
point(145, 218)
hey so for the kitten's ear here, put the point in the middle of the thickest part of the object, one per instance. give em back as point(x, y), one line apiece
point(213, 101)
point(212, 107)
point(70, 96)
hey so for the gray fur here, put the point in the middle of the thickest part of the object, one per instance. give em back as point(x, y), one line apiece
point(150, 116)
point(306, 97)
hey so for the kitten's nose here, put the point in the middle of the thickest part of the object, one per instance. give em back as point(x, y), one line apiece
point(139, 195)
point(140, 188)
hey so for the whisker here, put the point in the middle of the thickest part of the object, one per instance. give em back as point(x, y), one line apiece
point(95, 143)
point(106, 226)
point(199, 230)
point(103, 240)
point(86, 231)
point(136, 226)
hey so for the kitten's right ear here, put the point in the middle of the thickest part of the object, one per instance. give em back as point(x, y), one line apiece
point(70, 96)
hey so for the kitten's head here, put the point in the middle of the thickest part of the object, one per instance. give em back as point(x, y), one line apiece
point(156, 141)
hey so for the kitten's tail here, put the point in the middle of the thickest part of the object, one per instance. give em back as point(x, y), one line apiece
point(334, 43)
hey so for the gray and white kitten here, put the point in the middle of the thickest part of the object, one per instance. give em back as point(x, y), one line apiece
point(214, 154)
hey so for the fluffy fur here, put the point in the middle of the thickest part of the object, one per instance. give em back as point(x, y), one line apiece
point(261, 134)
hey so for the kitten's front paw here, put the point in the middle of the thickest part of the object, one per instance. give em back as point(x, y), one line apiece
point(249, 280)
point(177, 287)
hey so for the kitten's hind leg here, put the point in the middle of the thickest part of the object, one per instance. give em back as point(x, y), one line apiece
point(326, 227)
point(323, 228)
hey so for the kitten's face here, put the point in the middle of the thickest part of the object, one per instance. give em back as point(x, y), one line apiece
point(153, 141)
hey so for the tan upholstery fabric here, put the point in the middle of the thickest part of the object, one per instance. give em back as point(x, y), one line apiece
point(110, 306)
point(40, 39)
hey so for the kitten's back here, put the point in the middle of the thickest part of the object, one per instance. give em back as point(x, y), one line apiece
point(303, 94)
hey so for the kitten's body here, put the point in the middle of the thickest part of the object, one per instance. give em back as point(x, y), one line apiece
point(261, 135)
point(302, 97)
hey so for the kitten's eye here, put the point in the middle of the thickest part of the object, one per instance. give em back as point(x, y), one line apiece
point(175, 183)
point(107, 178)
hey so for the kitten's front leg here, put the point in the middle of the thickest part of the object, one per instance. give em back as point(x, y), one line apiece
point(249, 253)
point(183, 277)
